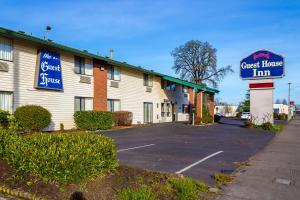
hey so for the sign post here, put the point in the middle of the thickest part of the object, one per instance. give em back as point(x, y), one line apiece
point(261, 68)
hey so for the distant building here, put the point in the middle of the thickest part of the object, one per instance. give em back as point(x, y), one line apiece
point(226, 110)
point(281, 108)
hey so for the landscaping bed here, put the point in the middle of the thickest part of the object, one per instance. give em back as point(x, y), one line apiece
point(109, 186)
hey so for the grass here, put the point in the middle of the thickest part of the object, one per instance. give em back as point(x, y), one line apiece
point(278, 128)
point(188, 189)
point(142, 193)
point(222, 178)
point(275, 128)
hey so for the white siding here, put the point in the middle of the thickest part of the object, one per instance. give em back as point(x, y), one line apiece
point(21, 78)
point(132, 94)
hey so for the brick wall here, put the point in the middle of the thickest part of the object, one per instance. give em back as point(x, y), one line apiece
point(100, 86)
point(199, 104)
point(211, 104)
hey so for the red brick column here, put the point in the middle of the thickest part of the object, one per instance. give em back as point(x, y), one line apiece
point(211, 105)
point(198, 110)
point(100, 86)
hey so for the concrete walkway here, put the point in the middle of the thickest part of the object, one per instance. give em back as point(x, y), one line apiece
point(273, 173)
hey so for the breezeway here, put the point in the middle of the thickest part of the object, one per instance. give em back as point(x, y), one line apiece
point(197, 152)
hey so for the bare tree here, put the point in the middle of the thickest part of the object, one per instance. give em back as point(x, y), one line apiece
point(196, 61)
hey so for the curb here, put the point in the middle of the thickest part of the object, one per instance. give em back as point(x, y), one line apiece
point(20, 194)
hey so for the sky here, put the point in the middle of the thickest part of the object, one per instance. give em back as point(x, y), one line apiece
point(143, 33)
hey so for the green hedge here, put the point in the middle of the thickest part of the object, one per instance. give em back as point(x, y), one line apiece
point(122, 118)
point(206, 117)
point(4, 115)
point(93, 120)
point(32, 118)
point(63, 158)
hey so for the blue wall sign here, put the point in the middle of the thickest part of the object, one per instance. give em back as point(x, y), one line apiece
point(262, 64)
point(49, 71)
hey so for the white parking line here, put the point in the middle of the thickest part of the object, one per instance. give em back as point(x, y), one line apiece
point(198, 162)
point(138, 147)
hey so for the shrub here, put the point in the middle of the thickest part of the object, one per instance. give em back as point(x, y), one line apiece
point(275, 115)
point(248, 123)
point(13, 124)
point(238, 115)
point(267, 126)
point(93, 120)
point(9, 141)
point(187, 189)
point(32, 118)
point(206, 117)
point(62, 158)
point(222, 178)
point(4, 116)
point(217, 118)
point(122, 118)
point(143, 193)
point(282, 116)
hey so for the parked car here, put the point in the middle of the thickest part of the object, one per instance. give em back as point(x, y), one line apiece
point(220, 114)
point(246, 115)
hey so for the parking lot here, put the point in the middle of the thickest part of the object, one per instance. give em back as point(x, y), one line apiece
point(197, 151)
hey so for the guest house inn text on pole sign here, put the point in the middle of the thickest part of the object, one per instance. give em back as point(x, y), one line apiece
point(261, 68)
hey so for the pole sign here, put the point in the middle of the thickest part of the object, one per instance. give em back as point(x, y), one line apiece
point(262, 64)
point(49, 71)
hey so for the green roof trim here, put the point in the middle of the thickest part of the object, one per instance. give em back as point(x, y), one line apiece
point(22, 35)
point(190, 84)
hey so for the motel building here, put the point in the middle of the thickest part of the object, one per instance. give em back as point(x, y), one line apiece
point(64, 80)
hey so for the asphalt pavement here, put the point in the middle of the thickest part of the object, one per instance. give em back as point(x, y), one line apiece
point(195, 151)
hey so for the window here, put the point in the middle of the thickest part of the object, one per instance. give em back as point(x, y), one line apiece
point(113, 73)
point(6, 101)
point(6, 49)
point(185, 89)
point(162, 109)
point(113, 105)
point(81, 67)
point(148, 112)
point(185, 108)
point(173, 87)
point(83, 103)
point(170, 86)
point(168, 109)
point(148, 80)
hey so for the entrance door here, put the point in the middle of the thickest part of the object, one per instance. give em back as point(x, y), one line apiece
point(173, 112)
point(148, 112)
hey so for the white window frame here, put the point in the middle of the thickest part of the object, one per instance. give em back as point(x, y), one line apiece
point(112, 109)
point(11, 107)
point(148, 80)
point(114, 73)
point(84, 68)
point(11, 49)
point(83, 103)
